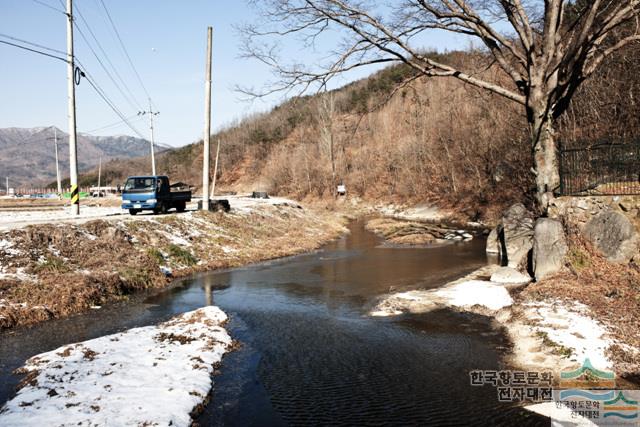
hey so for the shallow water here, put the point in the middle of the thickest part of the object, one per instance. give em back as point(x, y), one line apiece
point(309, 354)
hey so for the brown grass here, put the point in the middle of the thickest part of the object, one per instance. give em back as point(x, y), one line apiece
point(611, 291)
point(75, 267)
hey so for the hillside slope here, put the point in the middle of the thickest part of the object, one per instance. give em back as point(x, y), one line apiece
point(433, 140)
point(27, 155)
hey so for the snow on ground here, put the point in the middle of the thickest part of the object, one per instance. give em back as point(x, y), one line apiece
point(467, 294)
point(19, 218)
point(12, 219)
point(247, 204)
point(560, 325)
point(154, 375)
point(459, 294)
point(575, 329)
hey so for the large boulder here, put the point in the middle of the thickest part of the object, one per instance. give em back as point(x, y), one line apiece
point(549, 248)
point(613, 235)
point(493, 241)
point(517, 235)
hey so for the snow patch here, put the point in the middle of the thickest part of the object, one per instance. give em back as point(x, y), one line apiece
point(7, 247)
point(153, 375)
point(462, 294)
point(480, 292)
point(575, 329)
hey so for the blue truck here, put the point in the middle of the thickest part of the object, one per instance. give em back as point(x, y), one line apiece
point(154, 193)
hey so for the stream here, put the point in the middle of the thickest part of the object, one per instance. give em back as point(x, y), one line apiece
point(309, 353)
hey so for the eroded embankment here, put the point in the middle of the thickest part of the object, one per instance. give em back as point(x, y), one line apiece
point(49, 271)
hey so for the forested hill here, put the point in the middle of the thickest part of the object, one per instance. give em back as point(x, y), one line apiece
point(434, 140)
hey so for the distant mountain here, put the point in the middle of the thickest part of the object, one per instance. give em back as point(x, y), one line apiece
point(27, 155)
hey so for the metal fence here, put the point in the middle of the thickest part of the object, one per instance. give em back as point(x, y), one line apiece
point(603, 169)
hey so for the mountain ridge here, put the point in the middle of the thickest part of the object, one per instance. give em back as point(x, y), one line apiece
point(27, 155)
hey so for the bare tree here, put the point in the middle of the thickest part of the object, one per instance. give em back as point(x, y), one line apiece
point(326, 118)
point(547, 49)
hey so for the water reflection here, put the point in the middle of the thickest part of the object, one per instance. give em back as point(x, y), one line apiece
point(309, 354)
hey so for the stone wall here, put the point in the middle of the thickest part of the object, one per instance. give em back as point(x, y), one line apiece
point(582, 209)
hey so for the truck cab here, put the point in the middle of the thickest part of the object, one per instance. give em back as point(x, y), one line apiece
point(154, 193)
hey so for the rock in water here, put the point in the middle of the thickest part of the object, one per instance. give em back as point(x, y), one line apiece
point(517, 225)
point(549, 247)
point(613, 235)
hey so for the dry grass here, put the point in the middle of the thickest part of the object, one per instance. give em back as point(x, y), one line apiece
point(61, 270)
point(611, 291)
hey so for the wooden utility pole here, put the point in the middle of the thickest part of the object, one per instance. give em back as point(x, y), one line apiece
point(55, 144)
point(55, 147)
point(206, 155)
point(99, 173)
point(71, 87)
point(151, 113)
point(215, 170)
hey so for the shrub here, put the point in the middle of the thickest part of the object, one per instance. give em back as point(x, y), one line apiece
point(53, 264)
point(155, 255)
point(182, 255)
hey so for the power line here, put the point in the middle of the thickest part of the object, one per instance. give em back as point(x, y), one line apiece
point(110, 103)
point(33, 44)
point(33, 50)
point(95, 54)
point(49, 6)
point(124, 49)
point(137, 105)
point(135, 117)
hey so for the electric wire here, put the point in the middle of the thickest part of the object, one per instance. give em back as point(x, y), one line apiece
point(124, 49)
point(93, 83)
point(7, 36)
point(135, 104)
point(49, 6)
point(133, 118)
point(33, 50)
point(108, 73)
point(85, 73)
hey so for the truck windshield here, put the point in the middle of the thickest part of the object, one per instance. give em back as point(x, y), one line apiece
point(135, 185)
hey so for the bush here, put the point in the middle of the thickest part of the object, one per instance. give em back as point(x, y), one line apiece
point(136, 278)
point(53, 264)
point(181, 255)
point(155, 255)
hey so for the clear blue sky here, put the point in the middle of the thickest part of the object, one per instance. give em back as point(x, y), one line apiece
point(166, 41)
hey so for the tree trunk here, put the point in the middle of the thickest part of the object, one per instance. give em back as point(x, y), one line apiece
point(545, 160)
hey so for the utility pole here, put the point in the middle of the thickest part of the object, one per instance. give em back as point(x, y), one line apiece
point(151, 113)
point(55, 145)
point(215, 170)
point(207, 125)
point(99, 172)
point(7, 182)
point(71, 86)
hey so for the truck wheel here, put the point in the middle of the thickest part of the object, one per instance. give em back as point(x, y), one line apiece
point(163, 208)
point(133, 211)
point(181, 206)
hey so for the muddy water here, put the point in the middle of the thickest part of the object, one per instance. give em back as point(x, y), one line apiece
point(309, 354)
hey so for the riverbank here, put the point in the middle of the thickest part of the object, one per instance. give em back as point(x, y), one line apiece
point(54, 270)
point(549, 329)
point(100, 381)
